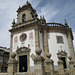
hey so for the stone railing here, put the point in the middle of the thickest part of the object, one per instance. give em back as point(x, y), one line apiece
point(55, 24)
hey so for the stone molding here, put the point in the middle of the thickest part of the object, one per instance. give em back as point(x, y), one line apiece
point(23, 51)
point(62, 53)
point(25, 7)
point(24, 25)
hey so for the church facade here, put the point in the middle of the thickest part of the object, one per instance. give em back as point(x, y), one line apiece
point(31, 32)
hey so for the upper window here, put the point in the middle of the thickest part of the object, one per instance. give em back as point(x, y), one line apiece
point(59, 39)
point(23, 18)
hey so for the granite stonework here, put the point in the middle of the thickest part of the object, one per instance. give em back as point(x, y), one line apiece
point(39, 25)
point(60, 66)
point(41, 66)
point(40, 55)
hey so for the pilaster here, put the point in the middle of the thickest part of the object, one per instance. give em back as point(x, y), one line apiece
point(45, 41)
point(70, 43)
point(11, 45)
point(37, 42)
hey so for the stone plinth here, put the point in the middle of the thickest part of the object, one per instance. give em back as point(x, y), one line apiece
point(12, 65)
point(39, 63)
point(49, 66)
point(60, 66)
point(71, 64)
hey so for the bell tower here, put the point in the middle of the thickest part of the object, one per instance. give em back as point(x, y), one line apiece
point(27, 32)
point(23, 32)
point(26, 13)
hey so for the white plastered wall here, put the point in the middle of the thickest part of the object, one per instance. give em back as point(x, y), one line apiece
point(41, 42)
point(54, 46)
point(27, 42)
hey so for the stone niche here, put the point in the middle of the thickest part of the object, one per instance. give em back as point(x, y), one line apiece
point(23, 58)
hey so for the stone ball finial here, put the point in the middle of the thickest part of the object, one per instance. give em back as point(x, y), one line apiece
point(59, 57)
point(70, 57)
point(13, 55)
point(48, 55)
point(38, 51)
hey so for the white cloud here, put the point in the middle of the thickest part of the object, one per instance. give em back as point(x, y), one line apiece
point(7, 13)
point(3, 5)
point(52, 11)
point(35, 3)
point(48, 11)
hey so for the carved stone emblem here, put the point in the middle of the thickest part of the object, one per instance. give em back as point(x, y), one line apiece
point(23, 37)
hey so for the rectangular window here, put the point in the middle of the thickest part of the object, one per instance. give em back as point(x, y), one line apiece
point(59, 39)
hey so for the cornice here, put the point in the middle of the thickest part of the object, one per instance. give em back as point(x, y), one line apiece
point(63, 53)
point(56, 29)
point(60, 30)
point(24, 25)
point(23, 49)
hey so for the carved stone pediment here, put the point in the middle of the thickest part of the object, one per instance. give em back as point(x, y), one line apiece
point(23, 49)
point(25, 53)
point(63, 53)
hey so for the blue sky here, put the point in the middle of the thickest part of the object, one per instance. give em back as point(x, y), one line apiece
point(53, 10)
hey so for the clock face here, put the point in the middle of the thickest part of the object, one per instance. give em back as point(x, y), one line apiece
point(23, 37)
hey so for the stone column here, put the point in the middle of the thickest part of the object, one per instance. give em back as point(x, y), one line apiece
point(60, 66)
point(39, 63)
point(12, 65)
point(49, 66)
point(45, 41)
point(70, 43)
point(71, 64)
point(37, 42)
point(11, 42)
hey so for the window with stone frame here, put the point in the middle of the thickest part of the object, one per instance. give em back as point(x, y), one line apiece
point(23, 18)
point(59, 39)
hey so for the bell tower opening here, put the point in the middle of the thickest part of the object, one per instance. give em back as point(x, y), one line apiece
point(23, 18)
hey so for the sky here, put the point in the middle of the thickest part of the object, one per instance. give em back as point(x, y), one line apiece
point(53, 10)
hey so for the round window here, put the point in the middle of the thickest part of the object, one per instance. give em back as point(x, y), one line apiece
point(23, 37)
